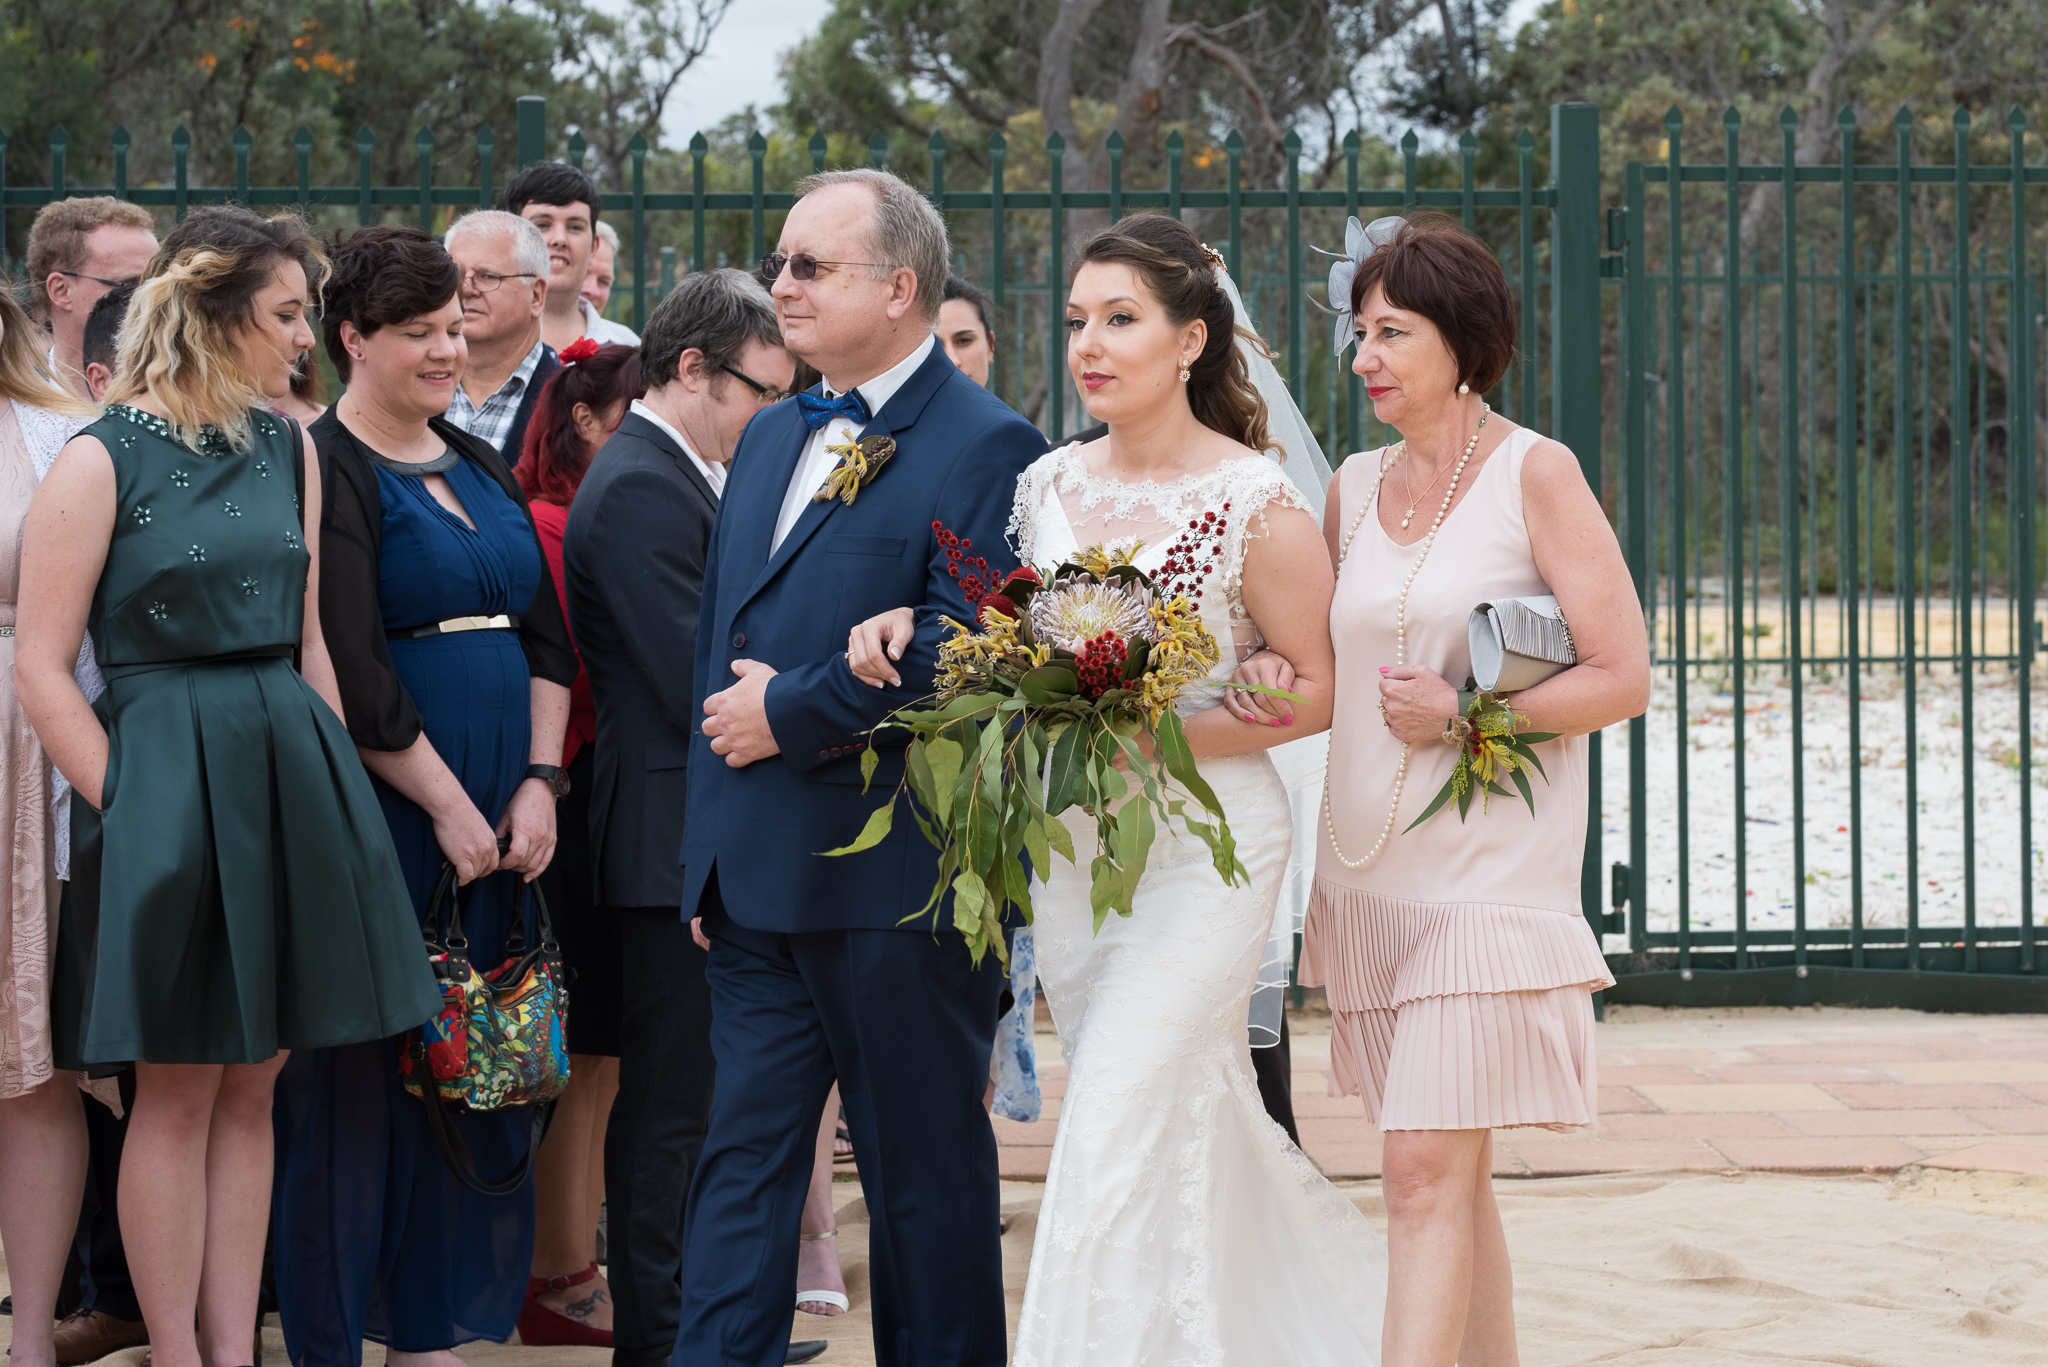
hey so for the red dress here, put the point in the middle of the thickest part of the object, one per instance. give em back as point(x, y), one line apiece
point(551, 520)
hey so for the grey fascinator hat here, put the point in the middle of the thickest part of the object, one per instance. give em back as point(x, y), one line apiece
point(1359, 243)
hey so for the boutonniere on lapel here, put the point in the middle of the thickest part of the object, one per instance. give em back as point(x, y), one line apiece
point(859, 462)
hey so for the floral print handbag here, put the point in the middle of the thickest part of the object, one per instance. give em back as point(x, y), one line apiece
point(497, 1042)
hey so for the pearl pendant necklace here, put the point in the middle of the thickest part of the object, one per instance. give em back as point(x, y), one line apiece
point(1400, 631)
point(1409, 516)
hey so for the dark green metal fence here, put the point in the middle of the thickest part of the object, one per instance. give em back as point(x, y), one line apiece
point(1524, 217)
point(1830, 498)
point(1828, 482)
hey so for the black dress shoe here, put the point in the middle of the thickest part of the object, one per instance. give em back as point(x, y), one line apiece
point(806, 1350)
point(640, 1357)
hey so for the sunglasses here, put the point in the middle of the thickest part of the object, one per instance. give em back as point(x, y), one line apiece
point(761, 391)
point(101, 279)
point(804, 266)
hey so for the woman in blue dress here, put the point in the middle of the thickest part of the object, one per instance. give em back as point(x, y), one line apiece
point(454, 664)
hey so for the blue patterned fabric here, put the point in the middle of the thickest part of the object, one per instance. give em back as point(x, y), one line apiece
point(1015, 1067)
point(817, 410)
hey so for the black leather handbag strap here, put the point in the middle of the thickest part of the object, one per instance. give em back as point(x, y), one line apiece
point(455, 1153)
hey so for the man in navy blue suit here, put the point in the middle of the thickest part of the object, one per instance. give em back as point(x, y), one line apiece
point(814, 973)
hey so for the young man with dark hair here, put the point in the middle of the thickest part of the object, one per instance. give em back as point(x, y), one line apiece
point(564, 204)
point(102, 337)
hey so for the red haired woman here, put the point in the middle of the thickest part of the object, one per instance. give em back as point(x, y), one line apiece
point(566, 1301)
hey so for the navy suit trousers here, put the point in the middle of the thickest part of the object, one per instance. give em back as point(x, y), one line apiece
point(906, 1025)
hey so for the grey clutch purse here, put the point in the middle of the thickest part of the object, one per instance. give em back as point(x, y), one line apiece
point(1517, 643)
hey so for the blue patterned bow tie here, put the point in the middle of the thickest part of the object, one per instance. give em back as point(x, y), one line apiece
point(818, 411)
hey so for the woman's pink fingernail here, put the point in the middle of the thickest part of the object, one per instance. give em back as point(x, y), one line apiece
point(1290, 719)
point(1386, 669)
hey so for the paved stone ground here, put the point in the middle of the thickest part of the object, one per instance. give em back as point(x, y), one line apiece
point(1818, 1090)
point(1960, 1102)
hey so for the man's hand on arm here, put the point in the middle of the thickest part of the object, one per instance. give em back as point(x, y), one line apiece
point(736, 719)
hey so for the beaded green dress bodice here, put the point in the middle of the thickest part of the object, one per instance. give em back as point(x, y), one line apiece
point(208, 554)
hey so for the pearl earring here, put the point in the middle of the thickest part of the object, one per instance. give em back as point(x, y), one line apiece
point(1184, 374)
point(1464, 389)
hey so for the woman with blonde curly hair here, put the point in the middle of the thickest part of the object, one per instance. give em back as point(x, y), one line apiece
point(234, 894)
point(42, 1128)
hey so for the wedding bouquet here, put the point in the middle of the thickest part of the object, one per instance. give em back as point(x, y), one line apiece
point(1063, 673)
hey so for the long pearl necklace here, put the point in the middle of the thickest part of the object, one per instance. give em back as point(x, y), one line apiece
point(1400, 630)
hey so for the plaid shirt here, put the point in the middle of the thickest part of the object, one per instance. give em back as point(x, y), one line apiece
point(493, 421)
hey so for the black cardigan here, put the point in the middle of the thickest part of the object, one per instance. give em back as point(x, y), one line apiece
point(380, 712)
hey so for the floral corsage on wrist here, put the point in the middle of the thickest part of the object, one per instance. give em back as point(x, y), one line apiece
point(1489, 750)
point(859, 461)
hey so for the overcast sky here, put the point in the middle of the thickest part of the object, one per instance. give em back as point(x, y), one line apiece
point(743, 64)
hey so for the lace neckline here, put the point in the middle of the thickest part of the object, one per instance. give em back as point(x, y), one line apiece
point(1075, 474)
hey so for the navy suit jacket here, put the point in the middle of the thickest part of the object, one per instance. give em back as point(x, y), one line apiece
point(959, 451)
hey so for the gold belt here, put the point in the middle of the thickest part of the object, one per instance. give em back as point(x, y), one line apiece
point(501, 622)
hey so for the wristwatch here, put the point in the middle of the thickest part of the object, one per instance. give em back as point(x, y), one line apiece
point(554, 775)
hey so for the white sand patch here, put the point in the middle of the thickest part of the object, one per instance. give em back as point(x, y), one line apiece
point(1769, 877)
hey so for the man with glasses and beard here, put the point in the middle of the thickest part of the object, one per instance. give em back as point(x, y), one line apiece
point(78, 249)
point(504, 265)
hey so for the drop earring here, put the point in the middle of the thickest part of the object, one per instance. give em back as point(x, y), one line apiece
point(1183, 374)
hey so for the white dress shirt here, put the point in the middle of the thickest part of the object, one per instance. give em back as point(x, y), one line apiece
point(602, 329)
point(714, 475)
point(816, 462)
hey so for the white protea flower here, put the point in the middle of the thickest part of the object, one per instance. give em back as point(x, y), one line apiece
point(1074, 614)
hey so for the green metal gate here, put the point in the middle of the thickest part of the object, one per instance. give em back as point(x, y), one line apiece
point(1830, 501)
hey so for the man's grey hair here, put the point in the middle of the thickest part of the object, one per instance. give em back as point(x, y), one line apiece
point(529, 247)
point(716, 312)
point(608, 235)
point(906, 232)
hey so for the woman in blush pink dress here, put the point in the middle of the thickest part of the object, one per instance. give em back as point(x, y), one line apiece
point(42, 1127)
point(1458, 965)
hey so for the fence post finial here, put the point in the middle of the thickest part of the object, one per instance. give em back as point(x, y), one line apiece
point(533, 130)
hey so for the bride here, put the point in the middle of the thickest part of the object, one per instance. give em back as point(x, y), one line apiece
point(1179, 1224)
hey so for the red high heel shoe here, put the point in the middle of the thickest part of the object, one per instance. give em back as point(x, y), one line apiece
point(544, 1326)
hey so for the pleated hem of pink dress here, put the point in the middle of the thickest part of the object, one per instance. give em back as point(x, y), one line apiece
point(1456, 1016)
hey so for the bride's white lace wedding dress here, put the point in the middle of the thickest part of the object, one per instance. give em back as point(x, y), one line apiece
point(1179, 1226)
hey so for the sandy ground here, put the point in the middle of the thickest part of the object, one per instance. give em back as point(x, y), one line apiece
point(1689, 1270)
point(1769, 877)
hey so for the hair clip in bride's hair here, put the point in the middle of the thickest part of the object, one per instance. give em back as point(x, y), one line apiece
point(1215, 257)
point(1359, 243)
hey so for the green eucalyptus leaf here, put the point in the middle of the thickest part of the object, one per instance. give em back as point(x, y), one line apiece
point(1049, 684)
point(872, 834)
point(1101, 888)
point(969, 898)
point(1436, 803)
point(1170, 743)
point(944, 757)
point(1068, 765)
point(869, 760)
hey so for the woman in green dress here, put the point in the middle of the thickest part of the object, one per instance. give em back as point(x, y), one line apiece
point(235, 894)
